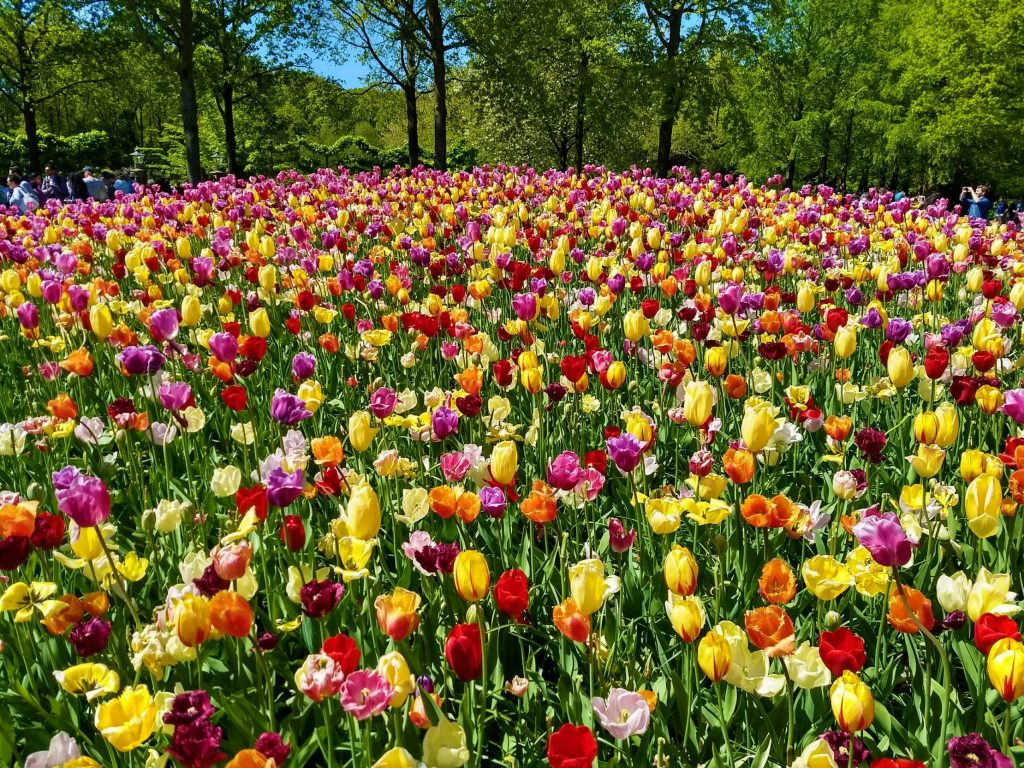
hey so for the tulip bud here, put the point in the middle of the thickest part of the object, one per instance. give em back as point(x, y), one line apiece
point(192, 619)
point(833, 620)
point(845, 342)
point(183, 247)
point(360, 431)
point(715, 360)
point(635, 325)
point(698, 399)
point(615, 376)
point(681, 570)
point(472, 577)
point(686, 614)
point(852, 703)
point(588, 585)
point(362, 515)
point(191, 310)
point(714, 655)
point(268, 277)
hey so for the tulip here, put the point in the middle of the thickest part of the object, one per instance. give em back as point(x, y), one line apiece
point(397, 614)
point(464, 651)
point(504, 462)
point(128, 720)
point(825, 577)
point(362, 514)
point(698, 400)
point(686, 614)
point(360, 431)
point(614, 376)
point(1006, 668)
point(191, 310)
point(714, 655)
point(928, 460)
point(623, 714)
point(101, 321)
point(852, 703)
point(817, 754)
point(589, 586)
point(900, 366)
point(192, 619)
point(983, 505)
point(845, 342)
point(758, 426)
point(635, 325)
point(259, 323)
point(681, 571)
point(716, 360)
point(444, 745)
point(395, 670)
point(472, 577)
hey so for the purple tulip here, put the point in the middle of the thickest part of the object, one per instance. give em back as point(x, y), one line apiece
point(174, 395)
point(163, 324)
point(1013, 404)
point(288, 409)
point(898, 330)
point(618, 538)
point(730, 298)
point(383, 402)
point(493, 501)
point(28, 315)
point(883, 536)
point(444, 421)
point(84, 499)
point(224, 346)
point(284, 488)
point(303, 365)
point(320, 597)
point(89, 637)
point(525, 305)
point(564, 471)
point(972, 751)
point(625, 450)
point(141, 360)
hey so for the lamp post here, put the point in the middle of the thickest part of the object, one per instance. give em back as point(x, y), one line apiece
point(138, 165)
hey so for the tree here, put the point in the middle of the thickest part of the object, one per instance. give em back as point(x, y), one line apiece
point(385, 36)
point(683, 32)
point(250, 40)
point(42, 49)
point(177, 28)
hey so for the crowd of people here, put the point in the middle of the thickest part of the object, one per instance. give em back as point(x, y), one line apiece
point(25, 193)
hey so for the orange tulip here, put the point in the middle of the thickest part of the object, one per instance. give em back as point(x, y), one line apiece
point(739, 465)
point(230, 614)
point(540, 505)
point(777, 584)
point(903, 621)
point(758, 511)
point(250, 758)
point(838, 427)
point(735, 386)
point(327, 451)
point(570, 622)
point(62, 407)
point(442, 501)
point(78, 362)
point(397, 613)
point(470, 380)
point(771, 630)
point(468, 507)
point(62, 619)
point(17, 520)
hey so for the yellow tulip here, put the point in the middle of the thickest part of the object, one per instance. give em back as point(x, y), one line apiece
point(259, 323)
point(90, 680)
point(926, 427)
point(715, 360)
point(845, 342)
point(635, 325)
point(267, 277)
point(444, 745)
point(805, 298)
point(531, 379)
point(101, 321)
point(360, 431)
point(983, 506)
point(192, 619)
point(128, 720)
point(1006, 668)
point(396, 757)
point(714, 656)
point(974, 463)
point(825, 577)
point(589, 586)
point(817, 754)
point(900, 366)
point(988, 398)
point(472, 576)
point(191, 310)
point(928, 460)
point(681, 570)
point(852, 703)
point(504, 462)
point(362, 514)
point(759, 424)
point(698, 400)
point(949, 424)
point(395, 668)
point(686, 614)
point(183, 246)
point(615, 376)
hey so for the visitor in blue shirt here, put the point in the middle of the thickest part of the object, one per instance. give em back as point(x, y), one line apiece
point(977, 202)
point(19, 198)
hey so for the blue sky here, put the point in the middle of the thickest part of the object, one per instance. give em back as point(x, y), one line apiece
point(350, 73)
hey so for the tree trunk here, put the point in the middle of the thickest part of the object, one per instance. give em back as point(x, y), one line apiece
point(28, 111)
point(412, 121)
point(189, 103)
point(435, 25)
point(227, 93)
point(672, 96)
point(581, 104)
point(847, 151)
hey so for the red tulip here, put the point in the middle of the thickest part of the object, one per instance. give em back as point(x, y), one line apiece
point(343, 649)
point(896, 762)
point(990, 628)
point(511, 594)
point(572, 746)
point(293, 532)
point(935, 362)
point(842, 650)
point(234, 397)
point(464, 651)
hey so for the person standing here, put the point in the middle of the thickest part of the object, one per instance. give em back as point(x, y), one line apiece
point(97, 189)
point(123, 184)
point(977, 202)
point(54, 186)
point(19, 197)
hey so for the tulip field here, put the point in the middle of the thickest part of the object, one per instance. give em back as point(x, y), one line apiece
point(510, 468)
